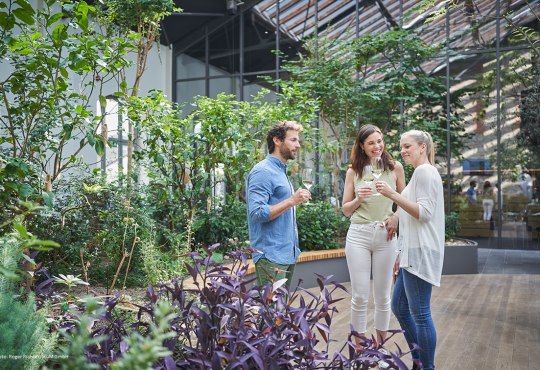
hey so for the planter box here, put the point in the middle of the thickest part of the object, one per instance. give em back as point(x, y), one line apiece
point(331, 262)
point(461, 258)
point(326, 262)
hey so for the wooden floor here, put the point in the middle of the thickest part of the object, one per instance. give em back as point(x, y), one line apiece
point(484, 322)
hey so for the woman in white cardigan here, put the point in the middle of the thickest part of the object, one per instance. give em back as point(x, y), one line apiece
point(421, 240)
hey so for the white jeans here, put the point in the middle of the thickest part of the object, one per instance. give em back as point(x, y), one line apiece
point(369, 253)
point(488, 208)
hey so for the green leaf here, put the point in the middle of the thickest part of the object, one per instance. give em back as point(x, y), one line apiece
point(9, 274)
point(64, 72)
point(100, 147)
point(59, 34)
point(25, 51)
point(7, 21)
point(48, 198)
point(41, 245)
point(25, 190)
point(22, 231)
point(54, 18)
point(90, 137)
point(103, 101)
point(25, 13)
point(82, 15)
point(31, 260)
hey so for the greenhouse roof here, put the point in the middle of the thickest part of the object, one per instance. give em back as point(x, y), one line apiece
point(472, 24)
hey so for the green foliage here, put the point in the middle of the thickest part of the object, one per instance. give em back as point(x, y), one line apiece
point(15, 261)
point(101, 223)
point(44, 50)
point(225, 224)
point(219, 141)
point(18, 180)
point(10, 254)
point(320, 226)
point(25, 334)
point(452, 225)
point(137, 14)
point(162, 265)
point(367, 80)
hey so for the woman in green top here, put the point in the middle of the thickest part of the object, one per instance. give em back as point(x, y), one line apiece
point(371, 240)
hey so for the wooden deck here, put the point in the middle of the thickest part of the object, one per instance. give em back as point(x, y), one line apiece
point(484, 322)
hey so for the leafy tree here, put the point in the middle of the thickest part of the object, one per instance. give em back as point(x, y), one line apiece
point(45, 50)
point(59, 58)
point(138, 22)
point(368, 80)
point(182, 155)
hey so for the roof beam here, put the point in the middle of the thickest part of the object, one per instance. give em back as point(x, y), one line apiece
point(386, 14)
point(180, 45)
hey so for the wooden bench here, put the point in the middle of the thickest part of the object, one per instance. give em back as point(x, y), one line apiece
point(309, 256)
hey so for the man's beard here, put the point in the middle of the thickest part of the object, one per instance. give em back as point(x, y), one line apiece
point(286, 153)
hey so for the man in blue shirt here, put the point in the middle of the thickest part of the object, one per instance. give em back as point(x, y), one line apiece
point(271, 202)
point(470, 194)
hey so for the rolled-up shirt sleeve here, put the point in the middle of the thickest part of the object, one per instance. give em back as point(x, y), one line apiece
point(426, 194)
point(259, 191)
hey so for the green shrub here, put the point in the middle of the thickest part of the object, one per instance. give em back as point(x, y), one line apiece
point(320, 226)
point(452, 225)
point(102, 223)
point(18, 180)
point(226, 225)
point(160, 266)
point(25, 342)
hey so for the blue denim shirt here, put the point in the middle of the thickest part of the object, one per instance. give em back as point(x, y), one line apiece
point(277, 240)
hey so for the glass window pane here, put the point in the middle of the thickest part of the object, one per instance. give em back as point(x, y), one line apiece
point(186, 92)
point(188, 67)
point(224, 85)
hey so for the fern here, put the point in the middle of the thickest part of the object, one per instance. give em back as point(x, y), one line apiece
point(10, 254)
point(25, 337)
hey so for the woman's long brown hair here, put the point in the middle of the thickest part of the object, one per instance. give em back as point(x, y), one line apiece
point(359, 159)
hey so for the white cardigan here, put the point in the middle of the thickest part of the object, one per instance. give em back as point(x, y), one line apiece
point(422, 240)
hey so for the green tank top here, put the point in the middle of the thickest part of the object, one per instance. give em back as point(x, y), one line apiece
point(376, 207)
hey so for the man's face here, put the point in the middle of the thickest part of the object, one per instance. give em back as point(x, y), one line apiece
point(288, 148)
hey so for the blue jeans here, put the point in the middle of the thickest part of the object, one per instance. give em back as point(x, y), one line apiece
point(411, 306)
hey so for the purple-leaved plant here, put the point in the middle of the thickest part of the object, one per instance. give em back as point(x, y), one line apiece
point(222, 320)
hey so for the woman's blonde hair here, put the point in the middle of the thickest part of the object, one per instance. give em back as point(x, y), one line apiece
point(423, 137)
